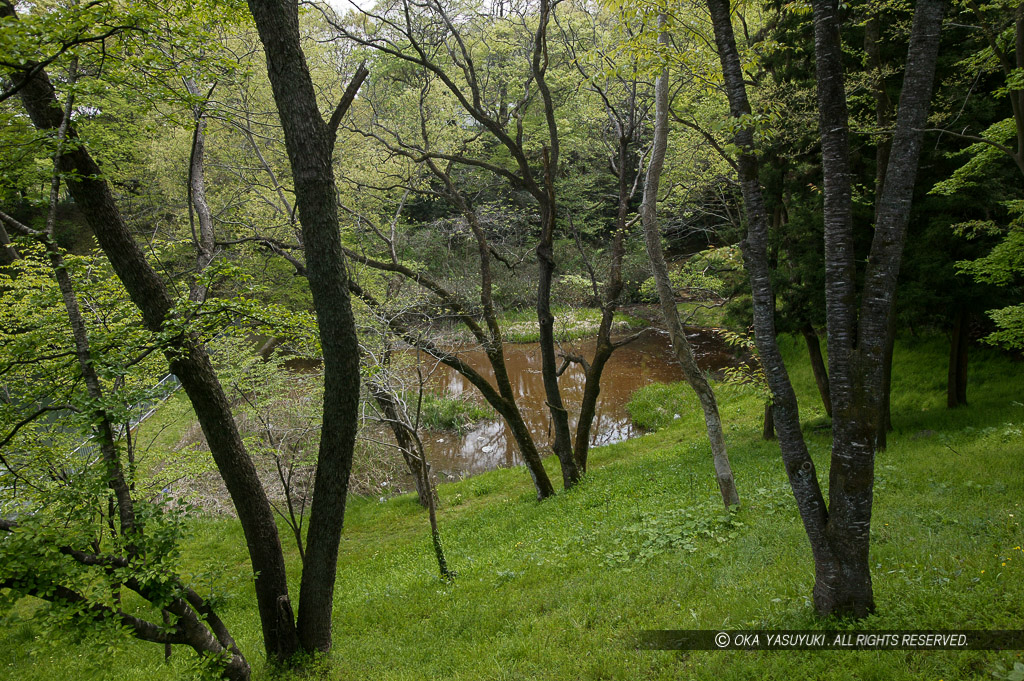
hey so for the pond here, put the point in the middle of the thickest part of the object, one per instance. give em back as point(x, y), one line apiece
point(489, 444)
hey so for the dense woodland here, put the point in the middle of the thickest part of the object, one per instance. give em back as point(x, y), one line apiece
point(372, 187)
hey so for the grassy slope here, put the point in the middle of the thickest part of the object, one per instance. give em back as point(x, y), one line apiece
point(557, 590)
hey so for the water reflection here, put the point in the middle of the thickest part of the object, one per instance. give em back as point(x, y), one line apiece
point(490, 444)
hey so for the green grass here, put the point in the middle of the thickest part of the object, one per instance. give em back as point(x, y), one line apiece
point(657, 405)
point(558, 590)
point(441, 412)
point(707, 315)
point(162, 431)
point(571, 323)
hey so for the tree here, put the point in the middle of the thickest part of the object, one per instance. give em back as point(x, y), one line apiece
point(59, 552)
point(694, 376)
point(517, 142)
point(310, 140)
point(1002, 26)
point(839, 533)
point(42, 555)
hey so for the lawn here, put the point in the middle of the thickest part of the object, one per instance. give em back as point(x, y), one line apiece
point(560, 589)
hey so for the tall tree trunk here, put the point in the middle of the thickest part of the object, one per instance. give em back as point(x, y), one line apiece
point(310, 141)
point(857, 363)
point(817, 365)
point(956, 384)
point(545, 194)
point(839, 535)
point(562, 444)
point(605, 347)
point(203, 240)
point(652, 236)
point(845, 587)
point(799, 466)
point(883, 121)
point(188, 361)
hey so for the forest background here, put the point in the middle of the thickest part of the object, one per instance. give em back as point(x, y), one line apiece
point(435, 176)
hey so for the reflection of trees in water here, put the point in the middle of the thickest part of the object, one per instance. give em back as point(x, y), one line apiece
point(490, 444)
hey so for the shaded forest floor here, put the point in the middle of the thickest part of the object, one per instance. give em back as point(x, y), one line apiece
point(559, 590)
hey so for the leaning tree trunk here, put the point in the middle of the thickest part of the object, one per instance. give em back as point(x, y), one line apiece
point(310, 142)
point(800, 468)
point(652, 236)
point(494, 346)
point(817, 365)
point(502, 399)
point(199, 626)
point(406, 444)
point(188, 361)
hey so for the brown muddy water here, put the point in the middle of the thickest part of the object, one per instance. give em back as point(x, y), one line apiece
point(489, 444)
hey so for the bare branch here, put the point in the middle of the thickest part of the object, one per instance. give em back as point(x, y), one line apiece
point(346, 99)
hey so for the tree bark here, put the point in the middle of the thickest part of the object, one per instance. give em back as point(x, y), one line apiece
point(494, 346)
point(839, 535)
point(310, 141)
point(768, 429)
point(845, 587)
point(817, 366)
point(562, 445)
point(684, 354)
point(204, 239)
point(188, 361)
point(8, 254)
point(465, 85)
point(857, 363)
point(406, 444)
point(799, 466)
point(545, 194)
point(605, 347)
point(956, 384)
point(883, 150)
point(104, 431)
point(197, 626)
point(884, 424)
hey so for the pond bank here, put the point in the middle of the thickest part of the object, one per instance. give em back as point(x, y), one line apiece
point(489, 444)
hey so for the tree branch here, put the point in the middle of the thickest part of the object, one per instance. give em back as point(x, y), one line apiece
point(346, 100)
